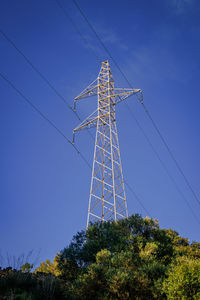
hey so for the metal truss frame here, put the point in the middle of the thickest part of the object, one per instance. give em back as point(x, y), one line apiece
point(107, 199)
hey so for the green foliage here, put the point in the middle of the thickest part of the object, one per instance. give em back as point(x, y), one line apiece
point(130, 259)
point(48, 267)
point(112, 276)
point(26, 267)
point(183, 280)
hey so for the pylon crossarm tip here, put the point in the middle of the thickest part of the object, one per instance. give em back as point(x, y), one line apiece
point(123, 94)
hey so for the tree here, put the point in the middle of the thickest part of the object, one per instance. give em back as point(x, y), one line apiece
point(183, 280)
point(26, 267)
point(129, 259)
point(117, 260)
point(49, 267)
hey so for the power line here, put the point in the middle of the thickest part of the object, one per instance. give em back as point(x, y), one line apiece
point(110, 55)
point(165, 167)
point(63, 99)
point(60, 132)
point(137, 198)
point(45, 118)
point(49, 84)
point(99, 39)
point(86, 42)
point(77, 30)
point(35, 69)
point(41, 76)
point(171, 153)
point(145, 109)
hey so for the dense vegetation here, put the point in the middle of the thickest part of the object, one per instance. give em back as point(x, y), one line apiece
point(130, 259)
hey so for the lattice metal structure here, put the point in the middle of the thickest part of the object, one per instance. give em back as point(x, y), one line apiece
point(107, 193)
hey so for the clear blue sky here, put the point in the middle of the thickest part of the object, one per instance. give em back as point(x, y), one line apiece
point(44, 183)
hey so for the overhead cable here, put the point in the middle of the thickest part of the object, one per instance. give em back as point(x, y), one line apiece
point(165, 168)
point(77, 30)
point(86, 42)
point(145, 109)
point(44, 78)
point(137, 198)
point(59, 131)
point(171, 154)
point(45, 118)
point(35, 69)
point(51, 86)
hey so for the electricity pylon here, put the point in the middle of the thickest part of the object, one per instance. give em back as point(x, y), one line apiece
point(107, 193)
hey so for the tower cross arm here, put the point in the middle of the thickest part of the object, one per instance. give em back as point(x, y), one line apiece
point(89, 91)
point(122, 94)
point(89, 122)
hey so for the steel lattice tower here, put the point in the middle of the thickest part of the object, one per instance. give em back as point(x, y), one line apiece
point(107, 193)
